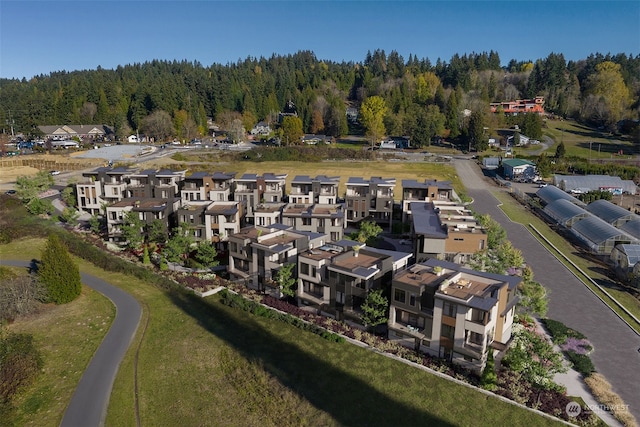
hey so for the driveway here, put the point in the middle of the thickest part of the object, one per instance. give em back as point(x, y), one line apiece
point(616, 346)
point(88, 405)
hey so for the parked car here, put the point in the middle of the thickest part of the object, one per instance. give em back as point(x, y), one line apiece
point(54, 173)
point(542, 185)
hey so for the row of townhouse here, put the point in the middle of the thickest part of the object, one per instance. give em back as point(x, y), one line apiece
point(370, 199)
point(437, 307)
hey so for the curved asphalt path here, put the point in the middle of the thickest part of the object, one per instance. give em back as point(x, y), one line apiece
point(88, 405)
point(616, 352)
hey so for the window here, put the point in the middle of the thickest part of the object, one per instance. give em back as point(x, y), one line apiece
point(447, 331)
point(304, 269)
point(191, 219)
point(476, 338)
point(399, 295)
point(412, 299)
point(449, 309)
point(306, 221)
point(339, 297)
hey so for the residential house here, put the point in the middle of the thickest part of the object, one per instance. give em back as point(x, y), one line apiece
point(452, 312)
point(445, 230)
point(319, 218)
point(519, 106)
point(252, 189)
point(256, 253)
point(222, 219)
point(311, 139)
point(102, 186)
point(267, 214)
point(148, 211)
point(207, 186)
point(150, 183)
point(67, 132)
point(370, 200)
point(321, 189)
point(262, 128)
point(351, 276)
point(430, 189)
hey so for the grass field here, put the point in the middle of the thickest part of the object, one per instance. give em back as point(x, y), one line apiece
point(582, 141)
point(67, 336)
point(202, 363)
point(345, 169)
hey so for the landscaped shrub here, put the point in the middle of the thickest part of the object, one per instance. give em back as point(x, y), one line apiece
point(237, 301)
point(20, 363)
point(581, 363)
point(559, 331)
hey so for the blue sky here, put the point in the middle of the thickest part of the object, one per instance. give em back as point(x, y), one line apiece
point(39, 37)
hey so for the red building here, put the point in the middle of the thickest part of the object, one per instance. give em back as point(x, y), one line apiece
point(535, 105)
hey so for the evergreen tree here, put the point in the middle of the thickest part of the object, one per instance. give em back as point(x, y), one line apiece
point(489, 377)
point(560, 151)
point(59, 272)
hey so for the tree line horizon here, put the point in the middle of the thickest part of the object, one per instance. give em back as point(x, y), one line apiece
point(420, 99)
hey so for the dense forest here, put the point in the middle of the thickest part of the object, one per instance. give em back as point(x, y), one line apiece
point(418, 98)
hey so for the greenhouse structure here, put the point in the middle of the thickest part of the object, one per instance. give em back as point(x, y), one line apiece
point(551, 193)
point(565, 213)
point(610, 212)
point(625, 258)
point(600, 236)
point(632, 227)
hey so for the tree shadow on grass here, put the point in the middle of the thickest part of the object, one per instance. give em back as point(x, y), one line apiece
point(347, 399)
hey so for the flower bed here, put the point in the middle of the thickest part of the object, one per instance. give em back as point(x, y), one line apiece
point(574, 345)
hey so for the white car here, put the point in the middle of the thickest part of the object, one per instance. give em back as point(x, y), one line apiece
point(54, 173)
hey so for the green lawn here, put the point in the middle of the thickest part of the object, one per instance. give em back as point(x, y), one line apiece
point(67, 335)
point(583, 141)
point(202, 363)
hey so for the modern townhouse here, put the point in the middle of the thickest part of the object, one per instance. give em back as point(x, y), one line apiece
point(211, 221)
point(148, 211)
point(314, 287)
point(252, 189)
point(351, 276)
point(430, 189)
point(101, 187)
point(223, 219)
point(321, 189)
point(267, 214)
point(370, 199)
point(448, 311)
point(256, 253)
point(319, 218)
point(445, 230)
point(207, 186)
point(150, 183)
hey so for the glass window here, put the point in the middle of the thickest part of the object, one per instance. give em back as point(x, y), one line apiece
point(399, 295)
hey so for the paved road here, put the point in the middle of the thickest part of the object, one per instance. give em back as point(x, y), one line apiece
point(88, 405)
point(616, 353)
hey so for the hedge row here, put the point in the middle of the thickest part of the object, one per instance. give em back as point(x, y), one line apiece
point(237, 301)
